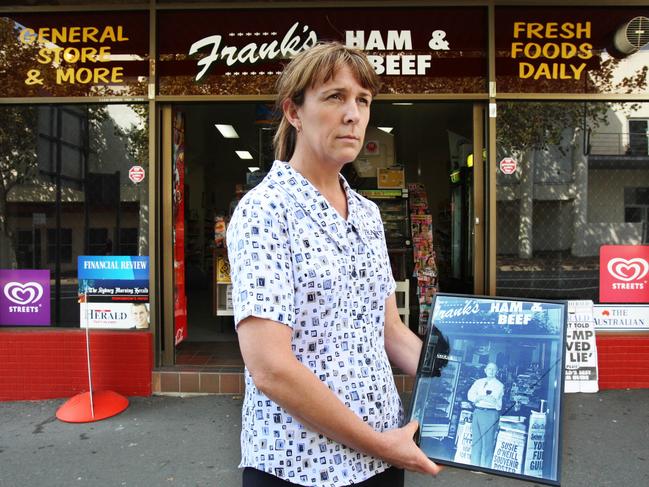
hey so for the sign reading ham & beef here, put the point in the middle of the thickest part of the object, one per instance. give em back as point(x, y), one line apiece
point(414, 50)
point(624, 274)
point(24, 297)
point(114, 291)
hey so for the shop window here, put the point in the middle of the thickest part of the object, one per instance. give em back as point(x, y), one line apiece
point(636, 208)
point(67, 193)
point(64, 247)
point(98, 242)
point(28, 249)
point(638, 136)
point(551, 227)
point(128, 241)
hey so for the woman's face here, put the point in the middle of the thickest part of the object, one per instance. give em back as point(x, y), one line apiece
point(333, 119)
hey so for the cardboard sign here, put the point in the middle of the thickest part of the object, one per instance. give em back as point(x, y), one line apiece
point(581, 349)
point(627, 317)
point(623, 274)
point(113, 291)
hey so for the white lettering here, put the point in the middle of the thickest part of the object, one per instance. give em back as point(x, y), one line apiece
point(291, 44)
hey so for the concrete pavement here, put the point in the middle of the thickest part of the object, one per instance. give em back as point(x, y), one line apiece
point(194, 441)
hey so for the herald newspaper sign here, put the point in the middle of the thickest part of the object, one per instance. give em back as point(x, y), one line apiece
point(508, 165)
point(623, 274)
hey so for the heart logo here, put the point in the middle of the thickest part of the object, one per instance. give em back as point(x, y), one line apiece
point(628, 270)
point(23, 294)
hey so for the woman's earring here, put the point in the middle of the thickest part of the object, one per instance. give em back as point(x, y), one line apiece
point(298, 127)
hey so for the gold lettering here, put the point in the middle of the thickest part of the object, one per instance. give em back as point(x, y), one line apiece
point(532, 50)
point(534, 29)
point(27, 36)
point(104, 54)
point(120, 34)
point(59, 35)
point(525, 70)
point(44, 56)
point(63, 76)
point(101, 75)
point(583, 31)
point(568, 50)
point(542, 70)
point(518, 28)
point(517, 48)
point(567, 30)
point(551, 50)
point(43, 34)
point(89, 34)
point(117, 75)
point(577, 70)
point(108, 33)
point(585, 51)
point(551, 29)
point(71, 55)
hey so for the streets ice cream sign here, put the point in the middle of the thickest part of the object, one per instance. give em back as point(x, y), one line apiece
point(25, 297)
point(624, 272)
point(280, 46)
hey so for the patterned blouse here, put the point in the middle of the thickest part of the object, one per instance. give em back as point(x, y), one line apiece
point(296, 261)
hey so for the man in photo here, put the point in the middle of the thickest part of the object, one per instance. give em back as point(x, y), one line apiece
point(486, 394)
point(140, 314)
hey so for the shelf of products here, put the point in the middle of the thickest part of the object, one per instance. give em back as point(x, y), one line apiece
point(393, 205)
point(439, 410)
point(222, 302)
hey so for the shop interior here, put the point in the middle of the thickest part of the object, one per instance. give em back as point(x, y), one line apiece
point(416, 164)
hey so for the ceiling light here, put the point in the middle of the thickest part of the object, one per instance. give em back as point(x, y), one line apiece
point(243, 154)
point(403, 103)
point(253, 169)
point(227, 131)
point(386, 129)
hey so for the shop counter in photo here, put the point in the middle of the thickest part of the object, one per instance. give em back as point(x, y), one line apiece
point(488, 390)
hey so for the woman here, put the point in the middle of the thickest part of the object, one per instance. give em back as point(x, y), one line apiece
point(313, 296)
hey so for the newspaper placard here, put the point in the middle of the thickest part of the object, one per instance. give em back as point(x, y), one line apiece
point(113, 291)
point(489, 383)
point(581, 348)
point(621, 317)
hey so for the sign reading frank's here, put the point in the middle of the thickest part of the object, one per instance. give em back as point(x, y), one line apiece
point(623, 273)
point(24, 297)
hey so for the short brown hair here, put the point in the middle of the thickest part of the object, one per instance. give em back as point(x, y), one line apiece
point(316, 65)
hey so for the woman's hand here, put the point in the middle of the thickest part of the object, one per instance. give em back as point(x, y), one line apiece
point(399, 449)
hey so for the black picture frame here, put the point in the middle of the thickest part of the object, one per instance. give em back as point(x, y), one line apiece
point(516, 410)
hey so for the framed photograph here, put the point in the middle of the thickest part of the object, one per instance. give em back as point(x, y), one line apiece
point(489, 383)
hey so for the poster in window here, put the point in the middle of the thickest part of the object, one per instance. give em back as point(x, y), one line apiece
point(487, 394)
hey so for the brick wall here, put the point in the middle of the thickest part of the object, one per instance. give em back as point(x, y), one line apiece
point(46, 364)
point(623, 361)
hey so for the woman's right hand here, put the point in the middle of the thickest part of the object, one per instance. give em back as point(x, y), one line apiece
point(400, 450)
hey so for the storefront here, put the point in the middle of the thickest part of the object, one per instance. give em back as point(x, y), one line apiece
point(507, 146)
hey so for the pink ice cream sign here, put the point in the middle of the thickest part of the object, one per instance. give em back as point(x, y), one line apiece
point(24, 297)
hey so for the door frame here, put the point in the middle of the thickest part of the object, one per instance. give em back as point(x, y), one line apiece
point(480, 226)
